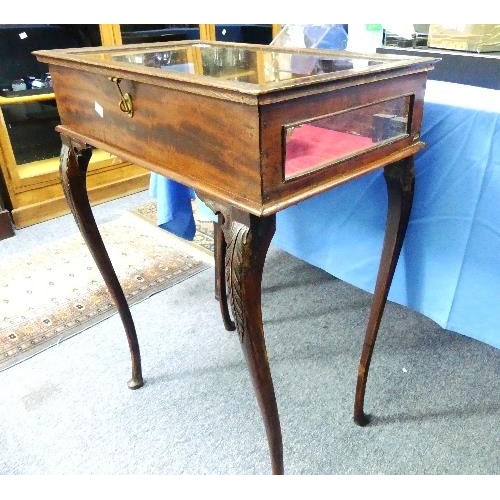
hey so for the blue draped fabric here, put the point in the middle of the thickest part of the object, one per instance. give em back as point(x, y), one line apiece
point(449, 269)
point(174, 210)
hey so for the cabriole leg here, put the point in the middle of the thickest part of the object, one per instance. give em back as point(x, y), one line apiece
point(247, 245)
point(400, 186)
point(73, 168)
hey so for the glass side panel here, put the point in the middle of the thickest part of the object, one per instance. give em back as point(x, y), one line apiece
point(30, 126)
point(17, 42)
point(244, 33)
point(242, 64)
point(31, 130)
point(318, 143)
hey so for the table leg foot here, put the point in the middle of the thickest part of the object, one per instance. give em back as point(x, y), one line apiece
point(220, 247)
point(362, 419)
point(135, 383)
point(73, 169)
point(400, 181)
point(246, 252)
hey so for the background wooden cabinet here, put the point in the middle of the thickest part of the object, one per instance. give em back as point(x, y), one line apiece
point(29, 146)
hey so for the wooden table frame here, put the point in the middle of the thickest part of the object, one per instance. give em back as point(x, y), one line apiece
point(246, 223)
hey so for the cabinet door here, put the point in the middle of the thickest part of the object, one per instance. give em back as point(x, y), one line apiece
point(244, 33)
point(28, 143)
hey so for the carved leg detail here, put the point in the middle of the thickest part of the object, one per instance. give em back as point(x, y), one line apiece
point(400, 186)
point(218, 238)
point(246, 253)
point(220, 279)
point(73, 169)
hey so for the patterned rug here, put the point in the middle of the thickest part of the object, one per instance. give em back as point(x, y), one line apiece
point(204, 237)
point(56, 292)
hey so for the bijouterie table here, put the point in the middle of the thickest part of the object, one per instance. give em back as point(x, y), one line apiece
point(254, 130)
point(449, 269)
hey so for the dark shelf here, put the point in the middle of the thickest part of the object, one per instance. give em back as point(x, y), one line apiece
point(468, 68)
point(22, 93)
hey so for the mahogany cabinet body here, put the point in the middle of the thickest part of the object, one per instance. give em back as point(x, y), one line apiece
point(223, 140)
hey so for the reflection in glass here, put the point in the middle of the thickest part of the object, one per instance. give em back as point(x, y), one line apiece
point(318, 143)
point(244, 64)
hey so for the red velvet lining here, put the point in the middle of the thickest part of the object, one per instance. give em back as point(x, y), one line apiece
point(310, 146)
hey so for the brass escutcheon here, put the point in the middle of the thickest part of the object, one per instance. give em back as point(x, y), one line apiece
point(125, 103)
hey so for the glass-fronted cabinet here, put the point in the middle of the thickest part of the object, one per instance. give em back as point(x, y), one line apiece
point(241, 33)
point(29, 145)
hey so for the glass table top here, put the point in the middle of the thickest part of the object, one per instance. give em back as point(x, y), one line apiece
point(249, 65)
point(244, 67)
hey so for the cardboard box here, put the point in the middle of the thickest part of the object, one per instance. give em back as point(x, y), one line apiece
point(466, 37)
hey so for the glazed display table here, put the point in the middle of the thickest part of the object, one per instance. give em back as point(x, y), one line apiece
point(254, 130)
